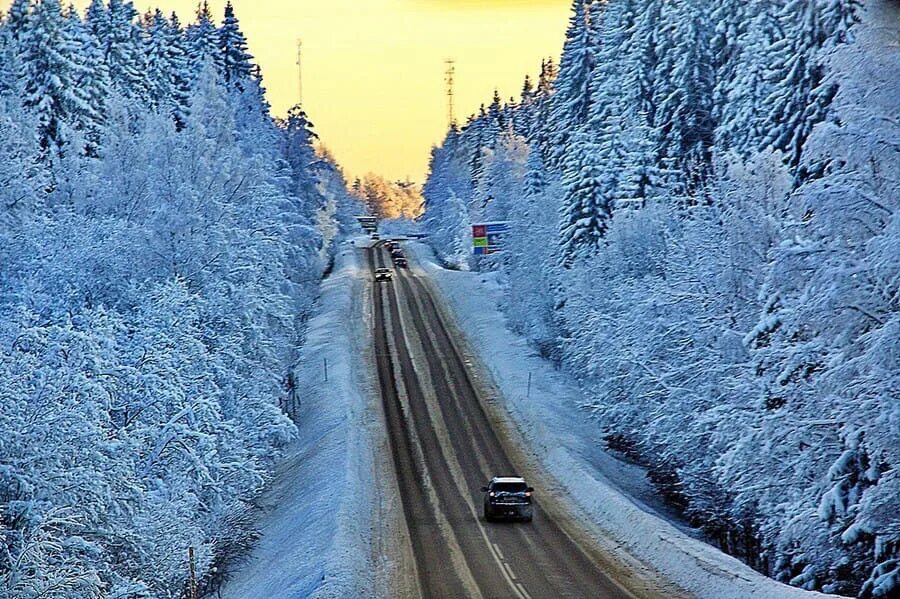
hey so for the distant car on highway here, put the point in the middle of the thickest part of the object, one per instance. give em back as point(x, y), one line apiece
point(390, 244)
point(507, 497)
point(383, 274)
point(401, 262)
point(376, 236)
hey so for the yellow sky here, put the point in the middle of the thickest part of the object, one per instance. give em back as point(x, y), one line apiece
point(373, 70)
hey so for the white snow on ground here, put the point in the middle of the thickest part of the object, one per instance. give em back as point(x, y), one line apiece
point(317, 532)
point(613, 494)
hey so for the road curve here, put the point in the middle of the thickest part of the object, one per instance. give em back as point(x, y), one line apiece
point(444, 449)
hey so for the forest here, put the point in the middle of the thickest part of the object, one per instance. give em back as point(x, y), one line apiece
point(703, 207)
point(162, 239)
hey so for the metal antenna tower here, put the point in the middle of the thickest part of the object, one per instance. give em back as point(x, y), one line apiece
point(450, 80)
point(300, 68)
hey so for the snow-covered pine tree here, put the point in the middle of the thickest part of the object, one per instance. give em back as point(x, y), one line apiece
point(586, 210)
point(9, 63)
point(159, 71)
point(203, 43)
point(496, 123)
point(299, 136)
point(235, 58)
point(729, 20)
point(120, 41)
point(539, 135)
point(571, 90)
point(683, 114)
point(92, 81)
point(547, 81)
point(528, 91)
point(535, 175)
point(49, 78)
point(180, 72)
point(740, 101)
point(97, 20)
point(16, 16)
point(800, 97)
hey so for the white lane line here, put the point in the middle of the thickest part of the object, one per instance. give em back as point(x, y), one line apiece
point(442, 432)
point(522, 590)
point(504, 569)
point(497, 549)
point(509, 571)
point(457, 556)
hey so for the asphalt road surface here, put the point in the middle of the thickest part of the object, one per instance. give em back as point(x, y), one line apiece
point(444, 450)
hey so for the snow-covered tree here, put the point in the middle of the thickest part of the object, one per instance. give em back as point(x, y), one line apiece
point(161, 242)
point(236, 60)
point(52, 70)
point(704, 234)
point(204, 44)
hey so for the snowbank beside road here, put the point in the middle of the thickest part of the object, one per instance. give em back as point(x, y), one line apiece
point(612, 494)
point(318, 527)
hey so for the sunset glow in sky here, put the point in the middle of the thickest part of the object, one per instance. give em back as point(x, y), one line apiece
point(373, 70)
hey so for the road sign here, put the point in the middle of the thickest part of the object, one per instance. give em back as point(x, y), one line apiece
point(487, 238)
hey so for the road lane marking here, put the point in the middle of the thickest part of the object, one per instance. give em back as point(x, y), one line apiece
point(457, 556)
point(509, 571)
point(522, 590)
point(439, 425)
point(497, 549)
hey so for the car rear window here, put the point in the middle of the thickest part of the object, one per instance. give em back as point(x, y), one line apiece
point(509, 487)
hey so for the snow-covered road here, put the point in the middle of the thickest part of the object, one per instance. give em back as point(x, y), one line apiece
point(610, 497)
point(334, 523)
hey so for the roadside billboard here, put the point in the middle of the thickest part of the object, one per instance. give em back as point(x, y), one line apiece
point(487, 238)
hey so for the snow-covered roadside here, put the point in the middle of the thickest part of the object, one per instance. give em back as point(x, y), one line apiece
point(326, 514)
point(612, 494)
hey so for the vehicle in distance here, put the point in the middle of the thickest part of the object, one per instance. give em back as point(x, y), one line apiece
point(507, 497)
point(383, 274)
point(401, 262)
point(390, 244)
point(376, 236)
point(397, 253)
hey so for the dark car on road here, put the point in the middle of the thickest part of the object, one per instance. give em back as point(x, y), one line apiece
point(401, 262)
point(383, 274)
point(507, 497)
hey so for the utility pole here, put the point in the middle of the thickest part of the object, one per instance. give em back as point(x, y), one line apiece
point(450, 80)
point(300, 68)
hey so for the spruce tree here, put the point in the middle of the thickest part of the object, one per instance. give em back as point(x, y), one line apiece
point(10, 32)
point(179, 71)
point(120, 41)
point(235, 58)
point(159, 74)
point(50, 78)
point(97, 20)
point(91, 79)
point(800, 97)
point(535, 175)
point(547, 81)
point(741, 109)
point(203, 44)
point(572, 90)
point(528, 91)
point(15, 18)
point(585, 211)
